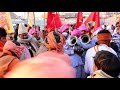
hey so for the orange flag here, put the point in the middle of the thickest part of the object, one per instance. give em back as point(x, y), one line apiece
point(95, 18)
point(79, 19)
point(53, 21)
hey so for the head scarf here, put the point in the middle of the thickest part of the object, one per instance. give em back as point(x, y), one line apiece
point(51, 43)
point(63, 28)
point(9, 45)
point(76, 32)
point(83, 27)
point(33, 30)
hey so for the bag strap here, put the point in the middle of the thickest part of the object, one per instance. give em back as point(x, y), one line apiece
point(96, 48)
point(29, 44)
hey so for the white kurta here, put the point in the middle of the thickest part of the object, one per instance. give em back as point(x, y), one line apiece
point(89, 61)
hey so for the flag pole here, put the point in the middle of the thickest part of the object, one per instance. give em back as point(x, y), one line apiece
point(27, 18)
point(44, 19)
point(34, 18)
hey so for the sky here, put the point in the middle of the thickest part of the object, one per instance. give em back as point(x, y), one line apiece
point(19, 13)
point(37, 14)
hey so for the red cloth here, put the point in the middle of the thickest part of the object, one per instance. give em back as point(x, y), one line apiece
point(53, 21)
point(79, 19)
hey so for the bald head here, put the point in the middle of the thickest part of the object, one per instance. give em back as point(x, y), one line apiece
point(44, 67)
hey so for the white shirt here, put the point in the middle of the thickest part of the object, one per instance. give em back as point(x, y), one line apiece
point(114, 32)
point(89, 61)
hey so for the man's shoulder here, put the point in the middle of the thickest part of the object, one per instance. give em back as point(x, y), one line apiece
point(116, 35)
point(90, 52)
point(91, 49)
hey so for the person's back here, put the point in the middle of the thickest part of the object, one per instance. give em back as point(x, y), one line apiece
point(106, 65)
point(89, 61)
point(41, 49)
point(104, 44)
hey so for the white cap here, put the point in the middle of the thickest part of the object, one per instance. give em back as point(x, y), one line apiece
point(22, 29)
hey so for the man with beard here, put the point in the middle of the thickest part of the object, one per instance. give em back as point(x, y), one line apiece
point(27, 40)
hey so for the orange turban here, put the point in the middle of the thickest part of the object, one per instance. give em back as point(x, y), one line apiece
point(104, 38)
point(51, 42)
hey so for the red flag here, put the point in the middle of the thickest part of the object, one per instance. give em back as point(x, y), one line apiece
point(90, 18)
point(53, 21)
point(95, 17)
point(79, 19)
point(97, 20)
point(49, 19)
point(57, 21)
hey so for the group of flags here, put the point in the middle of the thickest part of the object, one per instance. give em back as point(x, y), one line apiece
point(53, 20)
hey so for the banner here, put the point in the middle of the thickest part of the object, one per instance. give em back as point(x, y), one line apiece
point(30, 18)
point(5, 22)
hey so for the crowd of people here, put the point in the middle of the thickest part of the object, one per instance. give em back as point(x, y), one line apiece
point(66, 52)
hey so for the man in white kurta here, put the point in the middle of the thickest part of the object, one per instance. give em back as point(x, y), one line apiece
point(104, 38)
